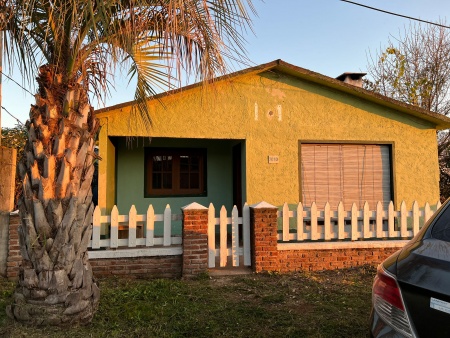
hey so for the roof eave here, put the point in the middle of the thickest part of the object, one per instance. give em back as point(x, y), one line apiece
point(441, 122)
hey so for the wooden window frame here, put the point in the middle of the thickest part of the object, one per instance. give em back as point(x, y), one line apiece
point(175, 190)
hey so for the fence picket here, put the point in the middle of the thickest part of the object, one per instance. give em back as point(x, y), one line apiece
point(167, 226)
point(379, 220)
point(96, 227)
point(285, 220)
point(235, 236)
point(314, 234)
point(341, 221)
point(211, 236)
point(132, 227)
point(246, 234)
point(150, 226)
point(327, 222)
point(300, 231)
point(354, 222)
point(403, 220)
point(391, 230)
point(223, 236)
point(415, 216)
point(114, 242)
point(366, 220)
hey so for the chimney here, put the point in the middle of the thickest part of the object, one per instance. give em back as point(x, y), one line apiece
point(354, 79)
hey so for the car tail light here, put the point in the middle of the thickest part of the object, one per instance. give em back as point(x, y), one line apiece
point(388, 303)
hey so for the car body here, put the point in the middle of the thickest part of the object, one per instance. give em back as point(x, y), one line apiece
point(411, 291)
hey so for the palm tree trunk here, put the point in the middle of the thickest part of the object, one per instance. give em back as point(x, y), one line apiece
point(56, 284)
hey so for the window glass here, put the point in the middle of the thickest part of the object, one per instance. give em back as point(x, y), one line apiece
point(157, 182)
point(441, 229)
point(184, 181)
point(173, 171)
point(194, 180)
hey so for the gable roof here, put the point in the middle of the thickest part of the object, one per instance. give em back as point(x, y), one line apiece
point(441, 121)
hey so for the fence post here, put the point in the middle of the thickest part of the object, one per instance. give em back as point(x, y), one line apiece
point(195, 240)
point(264, 237)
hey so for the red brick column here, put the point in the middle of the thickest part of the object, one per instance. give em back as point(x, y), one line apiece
point(264, 237)
point(195, 240)
point(14, 257)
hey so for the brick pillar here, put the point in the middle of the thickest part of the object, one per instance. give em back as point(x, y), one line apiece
point(14, 257)
point(195, 240)
point(264, 237)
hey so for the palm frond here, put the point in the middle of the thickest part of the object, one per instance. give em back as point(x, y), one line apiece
point(86, 40)
point(151, 74)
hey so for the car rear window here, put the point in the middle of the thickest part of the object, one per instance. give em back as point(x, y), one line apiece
point(441, 229)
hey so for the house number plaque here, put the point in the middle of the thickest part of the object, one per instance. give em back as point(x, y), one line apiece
point(273, 159)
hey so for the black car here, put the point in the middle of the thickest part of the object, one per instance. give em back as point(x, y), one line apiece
point(411, 291)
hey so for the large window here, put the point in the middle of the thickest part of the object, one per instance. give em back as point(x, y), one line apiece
point(175, 172)
point(351, 173)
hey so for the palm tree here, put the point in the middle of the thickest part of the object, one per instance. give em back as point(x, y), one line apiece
point(81, 42)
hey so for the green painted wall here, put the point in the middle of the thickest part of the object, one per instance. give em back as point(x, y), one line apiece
point(273, 112)
point(130, 176)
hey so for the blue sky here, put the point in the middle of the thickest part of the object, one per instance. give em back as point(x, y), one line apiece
point(326, 36)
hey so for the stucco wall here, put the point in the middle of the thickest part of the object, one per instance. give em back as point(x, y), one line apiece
point(8, 157)
point(273, 112)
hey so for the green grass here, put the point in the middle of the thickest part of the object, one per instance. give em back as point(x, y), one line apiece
point(320, 304)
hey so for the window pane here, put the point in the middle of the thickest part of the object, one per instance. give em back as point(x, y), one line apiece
point(195, 163)
point(167, 164)
point(184, 163)
point(195, 181)
point(167, 181)
point(184, 181)
point(157, 163)
point(156, 181)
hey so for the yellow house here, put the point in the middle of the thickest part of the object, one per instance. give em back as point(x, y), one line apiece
point(275, 132)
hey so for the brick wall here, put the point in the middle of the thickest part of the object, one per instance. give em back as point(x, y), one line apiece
point(146, 267)
point(313, 260)
point(14, 257)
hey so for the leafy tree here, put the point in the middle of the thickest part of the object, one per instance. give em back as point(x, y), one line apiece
point(415, 68)
point(16, 138)
point(81, 42)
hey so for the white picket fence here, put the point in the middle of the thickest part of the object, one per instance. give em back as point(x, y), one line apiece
point(131, 222)
point(304, 224)
point(140, 240)
point(147, 244)
point(313, 224)
point(224, 249)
